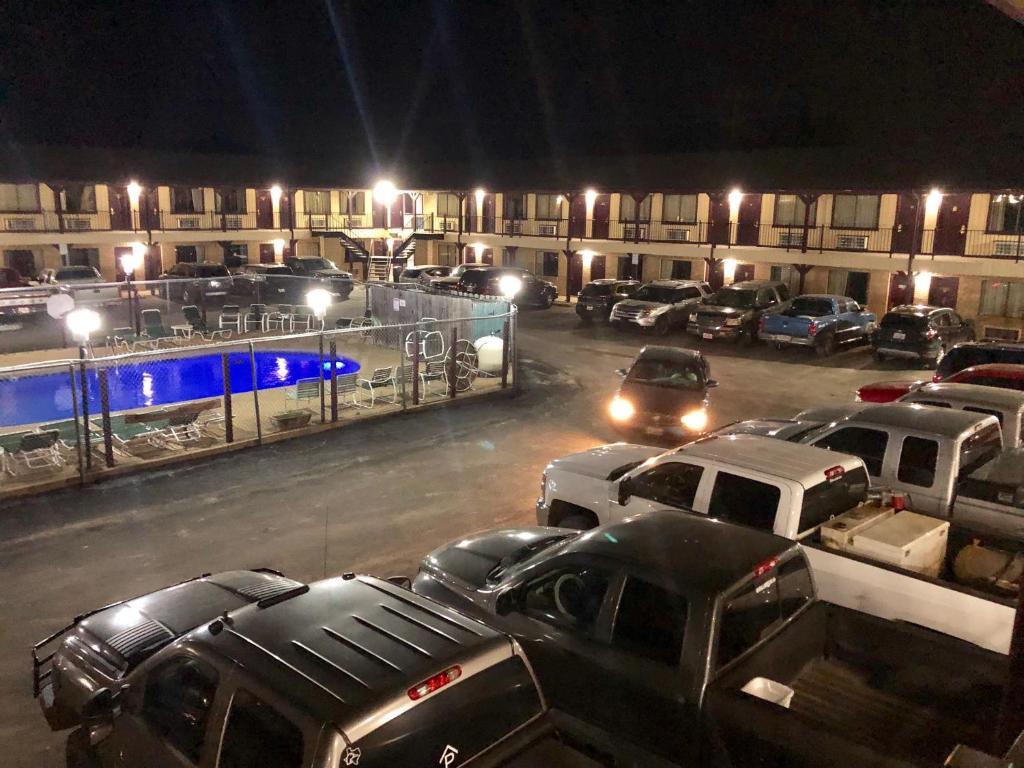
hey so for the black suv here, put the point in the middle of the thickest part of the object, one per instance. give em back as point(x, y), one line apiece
point(269, 283)
point(321, 273)
point(248, 668)
point(973, 353)
point(197, 283)
point(597, 298)
point(919, 332)
point(487, 281)
point(734, 311)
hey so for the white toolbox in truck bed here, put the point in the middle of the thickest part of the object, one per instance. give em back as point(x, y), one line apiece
point(838, 532)
point(907, 540)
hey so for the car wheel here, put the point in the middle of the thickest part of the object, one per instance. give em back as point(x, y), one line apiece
point(548, 301)
point(933, 362)
point(661, 326)
point(586, 320)
point(826, 347)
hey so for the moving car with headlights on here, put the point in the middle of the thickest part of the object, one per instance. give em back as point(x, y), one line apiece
point(598, 297)
point(85, 284)
point(920, 332)
point(659, 306)
point(823, 322)
point(672, 639)
point(248, 668)
point(664, 393)
point(734, 312)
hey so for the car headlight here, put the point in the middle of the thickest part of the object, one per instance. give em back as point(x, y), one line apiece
point(621, 409)
point(658, 310)
point(695, 421)
point(734, 321)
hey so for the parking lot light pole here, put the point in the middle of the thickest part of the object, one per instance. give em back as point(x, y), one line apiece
point(319, 300)
point(82, 323)
point(129, 263)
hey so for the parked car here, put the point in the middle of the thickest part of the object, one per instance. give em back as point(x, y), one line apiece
point(660, 305)
point(664, 393)
point(976, 353)
point(671, 639)
point(196, 283)
point(248, 668)
point(11, 278)
point(322, 273)
point(488, 281)
point(1000, 375)
point(270, 283)
point(734, 312)
point(20, 298)
point(920, 332)
point(422, 274)
point(598, 297)
point(450, 282)
point(823, 322)
point(1006, 405)
point(85, 284)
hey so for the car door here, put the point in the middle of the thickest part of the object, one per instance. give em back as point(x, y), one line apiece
point(943, 324)
point(848, 320)
point(961, 329)
point(265, 730)
point(668, 484)
point(169, 716)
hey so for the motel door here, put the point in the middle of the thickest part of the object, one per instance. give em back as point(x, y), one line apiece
point(380, 216)
point(719, 226)
point(154, 262)
point(903, 232)
point(942, 291)
point(951, 225)
point(602, 214)
point(403, 205)
point(743, 273)
point(575, 275)
point(264, 209)
point(749, 220)
point(597, 267)
point(120, 209)
point(285, 211)
point(899, 284)
point(578, 217)
point(266, 253)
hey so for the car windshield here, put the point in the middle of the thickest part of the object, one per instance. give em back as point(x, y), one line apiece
point(732, 297)
point(211, 270)
point(596, 289)
point(667, 373)
point(76, 273)
point(528, 552)
point(318, 264)
point(899, 320)
point(811, 307)
point(662, 294)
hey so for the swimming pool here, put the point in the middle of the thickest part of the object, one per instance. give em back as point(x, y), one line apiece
point(154, 382)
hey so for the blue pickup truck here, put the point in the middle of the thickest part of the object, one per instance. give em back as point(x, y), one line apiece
point(820, 321)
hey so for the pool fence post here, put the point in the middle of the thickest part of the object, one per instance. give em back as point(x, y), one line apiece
point(401, 363)
point(334, 381)
point(229, 424)
point(108, 440)
point(451, 362)
point(255, 392)
point(320, 378)
point(416, 367)
point(78, 426)
point(85, 414)
point(506, 336)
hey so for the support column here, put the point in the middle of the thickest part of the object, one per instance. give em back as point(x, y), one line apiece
point(808, 200)
point(803, 269)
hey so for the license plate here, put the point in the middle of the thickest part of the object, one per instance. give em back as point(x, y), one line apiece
point(898, 336)
point(23, 310)
point(708, 336)
point(589, 309)
point(654, 430)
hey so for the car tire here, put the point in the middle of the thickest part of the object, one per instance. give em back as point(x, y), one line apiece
point(662, 326)
point(586, 320)
point(745, 339)
point(577, 521)
point(549, 300)
point(779, 346)
point(78, 752)
point(826, 346)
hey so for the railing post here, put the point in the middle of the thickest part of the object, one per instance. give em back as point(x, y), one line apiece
point(78, 428)
point(506, 336)
point(334, 381)
point(229, 421)
point(451, 363)
point(108, 441)
point(255, 393)
point(84, 386)
point(401, 365)
point(320, 377)
point(416, 369)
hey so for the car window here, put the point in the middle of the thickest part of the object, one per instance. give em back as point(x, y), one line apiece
point(806, 305)
point(673, 374)
point(690, 293)
point(867, 444)
point(783, 291)
point(986, 411)
point(650, 622)
point(673, 483)
point(748, 617)
point(838, 492)
point(176, 703)
point(258, 736)
point(941, 319)
point(77, 273)
point(744, 501)
point(917, 461)
point(766, 297)
point(568, 597)
point(980, 448)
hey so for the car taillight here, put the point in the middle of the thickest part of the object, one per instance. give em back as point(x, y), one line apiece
point(765, 567)
point(761, 325)
point(431, 684)
point(931, 333)
point(812, 328)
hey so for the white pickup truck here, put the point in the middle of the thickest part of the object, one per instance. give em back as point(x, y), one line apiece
point(786, 488)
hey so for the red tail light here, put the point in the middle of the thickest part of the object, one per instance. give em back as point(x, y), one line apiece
point(931, 334)
point(431, 684)
point(762, 325)
point(936, 378)
point(812, 328)
point(765, 567)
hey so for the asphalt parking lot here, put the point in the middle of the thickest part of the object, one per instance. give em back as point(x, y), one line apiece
point(370, 498)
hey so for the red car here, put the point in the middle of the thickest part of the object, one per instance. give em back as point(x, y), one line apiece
point(1002, 375)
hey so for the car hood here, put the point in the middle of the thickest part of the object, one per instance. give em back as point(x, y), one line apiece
point(470, 559)
point(331, 273)
point(650, 398)
point(720, 310)
point(600, 462)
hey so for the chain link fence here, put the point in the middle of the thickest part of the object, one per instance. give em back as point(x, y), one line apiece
point(153, 399)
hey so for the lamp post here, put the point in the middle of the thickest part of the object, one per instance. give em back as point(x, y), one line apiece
point(129, 263)
point(509, 285)
point(319, 300)
point(82, 323)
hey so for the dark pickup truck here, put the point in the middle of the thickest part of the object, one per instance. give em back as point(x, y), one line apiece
point(670, 640)
point(249, 669)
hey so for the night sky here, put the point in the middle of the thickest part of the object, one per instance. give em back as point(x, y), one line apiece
point(419, 82)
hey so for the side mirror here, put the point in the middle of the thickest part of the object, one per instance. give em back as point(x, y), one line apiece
point(711, 383)
point(400, 581)
point(625, 492)
point(621, 372)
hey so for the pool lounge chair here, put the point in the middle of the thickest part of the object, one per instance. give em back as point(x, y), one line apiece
point(230, 317)
point(305, 389)
point(136, 434)
point(199, 327)
point(154, 332)
point(31, 451)
point(382, 378)
point(347, 387)
point(184, 425)
point(303, 319)
point(255, 318)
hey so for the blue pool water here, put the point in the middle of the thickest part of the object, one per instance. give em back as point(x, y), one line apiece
point(157, 382)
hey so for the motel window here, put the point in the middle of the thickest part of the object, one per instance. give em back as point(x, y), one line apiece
point(447, 254)
point(515, 205)
point(786, 273)
point(1004, 214)
point(789, 211)
point(549, 207)
point(447, 205)
point(549, 264)
point(236, 255)
point(628, 210)
point(317, 200)
point(19, 197)
point(352, 203)
point(679, 209)
point(79, 198)
point(844, 282)
point(855, 211)
point(1001, 298)
point(83, 257)
point(230, 200)
point(186, 199)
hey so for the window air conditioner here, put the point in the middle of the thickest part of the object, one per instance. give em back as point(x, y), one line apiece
point(191, 222)
point(789, 239)
point(677, 235)
point(318, 221)
point(547, 229)
point(233, 222)
point(1008, 248)
point(852, 242)
point(21, 225)
point(77, 225)
point(630, 232)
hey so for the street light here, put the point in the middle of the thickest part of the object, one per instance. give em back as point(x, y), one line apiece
point(134, 190)
point(384, 192)
point(130, 262)
point(82, 323)
point(319, 300)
